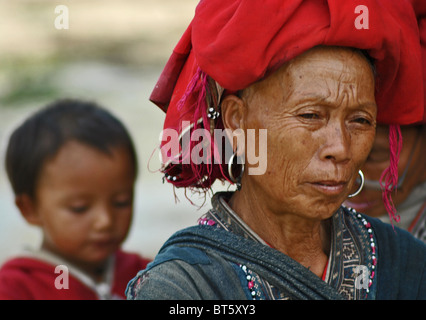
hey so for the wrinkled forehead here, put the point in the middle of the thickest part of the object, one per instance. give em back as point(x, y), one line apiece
point(311, 71)
point(336, 59)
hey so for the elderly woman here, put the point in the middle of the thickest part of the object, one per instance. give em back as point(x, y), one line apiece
point(316, 76)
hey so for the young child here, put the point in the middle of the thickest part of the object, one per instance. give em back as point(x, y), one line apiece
point(72, 167)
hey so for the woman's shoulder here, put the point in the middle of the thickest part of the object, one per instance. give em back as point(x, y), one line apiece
point(401, 259)
point(401, 262)
point(181, 272)
point(392, 234)
point(387, 232)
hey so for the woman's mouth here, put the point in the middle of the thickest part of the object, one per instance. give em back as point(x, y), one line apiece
point(331, 188)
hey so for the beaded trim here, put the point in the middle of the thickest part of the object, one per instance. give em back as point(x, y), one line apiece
point(372, 245)
point(206, 222)
point(250, 282)
point(371, 258)
point(213, 114)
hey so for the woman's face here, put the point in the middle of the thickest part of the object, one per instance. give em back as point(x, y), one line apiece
point(319, 111)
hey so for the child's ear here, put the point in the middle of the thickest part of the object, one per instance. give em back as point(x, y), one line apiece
point(28, 210)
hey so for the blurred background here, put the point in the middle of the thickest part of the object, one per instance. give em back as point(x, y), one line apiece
point(112, 53)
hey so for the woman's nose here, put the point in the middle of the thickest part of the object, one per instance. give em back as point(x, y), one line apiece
point(337, 144)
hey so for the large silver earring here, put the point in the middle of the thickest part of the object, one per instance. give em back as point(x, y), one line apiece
point(361, 174)
point(237, 180)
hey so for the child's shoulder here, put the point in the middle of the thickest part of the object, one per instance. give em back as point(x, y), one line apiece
point(25, 267)
point(23, 277)
point(131, 256)
point(130, 261)
point(32, 278)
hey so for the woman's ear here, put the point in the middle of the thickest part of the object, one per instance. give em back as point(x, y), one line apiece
point(233, 111)
point(27, 208)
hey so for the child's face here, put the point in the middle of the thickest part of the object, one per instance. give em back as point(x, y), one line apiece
point(84, 202)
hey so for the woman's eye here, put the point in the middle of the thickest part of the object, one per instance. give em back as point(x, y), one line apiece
point(309, 116)
point(362, 121)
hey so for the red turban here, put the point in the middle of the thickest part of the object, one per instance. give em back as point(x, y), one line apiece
point(235, 43)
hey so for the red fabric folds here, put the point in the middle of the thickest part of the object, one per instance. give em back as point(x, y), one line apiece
point(237, 43)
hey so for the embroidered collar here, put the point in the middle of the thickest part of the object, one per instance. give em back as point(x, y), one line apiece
point(353, 253)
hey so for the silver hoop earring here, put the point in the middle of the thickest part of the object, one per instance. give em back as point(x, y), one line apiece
point(237, 180)
point(361, 174)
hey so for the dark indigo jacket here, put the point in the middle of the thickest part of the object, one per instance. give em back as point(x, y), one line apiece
point(202, 263)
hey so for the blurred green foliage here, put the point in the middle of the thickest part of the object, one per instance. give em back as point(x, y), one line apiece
point(26, 84)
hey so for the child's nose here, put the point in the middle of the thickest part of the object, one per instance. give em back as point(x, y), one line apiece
point(103, 219)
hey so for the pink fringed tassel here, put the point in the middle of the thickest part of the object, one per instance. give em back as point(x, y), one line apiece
point(389, 177)
point(190, 89)
point(202, 175)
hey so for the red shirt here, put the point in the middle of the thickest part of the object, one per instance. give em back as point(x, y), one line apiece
point(29, 278)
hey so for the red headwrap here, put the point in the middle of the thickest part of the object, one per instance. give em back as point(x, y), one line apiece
point(232, 44)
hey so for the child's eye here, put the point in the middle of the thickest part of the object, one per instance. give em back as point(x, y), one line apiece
point(123, 204)
point(78, 209)
point(123, 200)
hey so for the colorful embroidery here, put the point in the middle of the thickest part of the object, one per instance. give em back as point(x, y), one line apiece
point(353, 246)
point(250, 281)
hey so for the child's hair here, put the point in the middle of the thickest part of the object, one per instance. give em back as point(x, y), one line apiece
point(41, 136)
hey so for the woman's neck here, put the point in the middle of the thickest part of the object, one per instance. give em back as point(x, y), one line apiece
point(305, 241)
